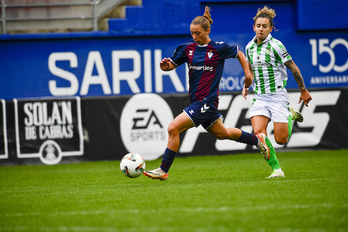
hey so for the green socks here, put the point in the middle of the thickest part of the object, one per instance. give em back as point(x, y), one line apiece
point(290, 123)
point(273, 161)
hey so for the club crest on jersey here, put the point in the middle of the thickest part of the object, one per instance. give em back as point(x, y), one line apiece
point(210, 54)
point(268, 51)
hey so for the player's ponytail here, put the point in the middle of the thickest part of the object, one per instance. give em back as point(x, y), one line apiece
point(207, 14)
point(205, 21)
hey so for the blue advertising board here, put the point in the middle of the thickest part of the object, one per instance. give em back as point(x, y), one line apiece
point(125, 66)
point(114, 63)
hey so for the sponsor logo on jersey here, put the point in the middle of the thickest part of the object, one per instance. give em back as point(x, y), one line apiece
point(203, 67)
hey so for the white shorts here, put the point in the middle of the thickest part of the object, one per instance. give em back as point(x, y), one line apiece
point(275, 108)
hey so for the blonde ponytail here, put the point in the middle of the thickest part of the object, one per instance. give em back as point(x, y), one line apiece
point(205, 21)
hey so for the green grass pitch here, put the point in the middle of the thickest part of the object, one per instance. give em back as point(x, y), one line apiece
point(206, 193)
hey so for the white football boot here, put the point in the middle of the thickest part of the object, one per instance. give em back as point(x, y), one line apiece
point(277, 173)
point(157, 174)
point(296, 115)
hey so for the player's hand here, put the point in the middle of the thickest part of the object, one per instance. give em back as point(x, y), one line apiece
point(165, 64)
point(305, 97)
point(248, 80)
point(245, 92)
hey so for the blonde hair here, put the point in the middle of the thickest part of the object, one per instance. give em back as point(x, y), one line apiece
point(205, 21)
point(265, 12)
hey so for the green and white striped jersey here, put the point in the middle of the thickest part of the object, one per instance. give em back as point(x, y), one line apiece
point(267, 61)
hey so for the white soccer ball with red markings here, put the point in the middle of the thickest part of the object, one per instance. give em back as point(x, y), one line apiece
point(132, 165)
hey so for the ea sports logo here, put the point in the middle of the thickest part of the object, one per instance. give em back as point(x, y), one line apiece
point(144, 122)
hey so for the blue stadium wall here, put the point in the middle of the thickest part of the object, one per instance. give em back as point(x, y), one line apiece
point(98, 95)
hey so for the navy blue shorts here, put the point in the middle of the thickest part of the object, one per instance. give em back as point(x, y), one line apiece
point(201, 113)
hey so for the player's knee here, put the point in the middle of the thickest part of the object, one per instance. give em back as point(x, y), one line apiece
point(172, 129)
point(256, 131)
point(281, 141)
point(220, 136)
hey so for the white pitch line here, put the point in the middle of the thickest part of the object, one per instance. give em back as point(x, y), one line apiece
point(197, 209)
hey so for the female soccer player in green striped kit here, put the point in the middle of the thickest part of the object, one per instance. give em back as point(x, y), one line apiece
point(268, 60)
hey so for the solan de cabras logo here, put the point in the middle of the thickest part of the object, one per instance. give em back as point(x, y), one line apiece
point(48, 129)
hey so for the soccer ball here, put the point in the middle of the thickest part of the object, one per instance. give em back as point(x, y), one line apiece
point(132, 165)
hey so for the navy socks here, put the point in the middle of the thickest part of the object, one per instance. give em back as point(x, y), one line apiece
point(248, 138)
point(168, 159)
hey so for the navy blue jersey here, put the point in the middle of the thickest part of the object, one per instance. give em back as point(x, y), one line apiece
point(205, 64)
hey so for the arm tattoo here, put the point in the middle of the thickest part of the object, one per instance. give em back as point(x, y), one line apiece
point(297, 74)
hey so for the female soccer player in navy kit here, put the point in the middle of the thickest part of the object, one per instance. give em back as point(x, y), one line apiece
point(205, 59)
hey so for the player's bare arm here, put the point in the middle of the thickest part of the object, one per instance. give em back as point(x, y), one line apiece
point(245, 90)
point(305, 95)
point(297, 74)
point(245, 65)
point(167, 65)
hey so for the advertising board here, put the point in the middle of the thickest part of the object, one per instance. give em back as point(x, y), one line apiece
point(127, 66)
point(50, 131)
